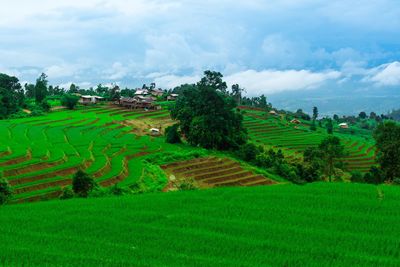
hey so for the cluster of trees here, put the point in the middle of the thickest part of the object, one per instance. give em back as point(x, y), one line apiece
point(319, 163)
point(207, 116)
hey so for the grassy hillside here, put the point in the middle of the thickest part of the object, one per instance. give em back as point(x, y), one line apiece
point(283, 225)
point(293, 139)
point(39, 155)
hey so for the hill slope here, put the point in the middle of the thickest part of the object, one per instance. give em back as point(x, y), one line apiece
point(317, 224)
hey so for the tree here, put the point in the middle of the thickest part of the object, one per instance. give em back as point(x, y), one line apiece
point(362, 115)
point(41, 88)
point(82, 184)
point(237, 93)
point(5, 191)
point(213, 80)
point(115, 94)
point(172, 135)
point(329, 126)
point(331, 151)
point(336, 117)
point(69, 101)
point(315, 113)
point(387, 137)
point(73, 89)
point(11, 95)
point(208, 118)
point(372, 115)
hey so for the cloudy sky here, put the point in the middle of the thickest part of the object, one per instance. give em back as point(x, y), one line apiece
point(266, 46)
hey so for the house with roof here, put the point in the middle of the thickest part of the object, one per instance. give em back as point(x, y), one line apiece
point(89, 99)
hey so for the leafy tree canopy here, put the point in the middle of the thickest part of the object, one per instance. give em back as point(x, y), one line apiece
point(207, 116)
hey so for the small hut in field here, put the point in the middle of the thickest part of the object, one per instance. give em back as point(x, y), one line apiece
point(343, 125)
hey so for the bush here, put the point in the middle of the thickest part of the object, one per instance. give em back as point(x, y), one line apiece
point(248, 152)
point(357, 177)
point(82, 184)
point(5, 191)
point(172, 135)
point(396, 181)
point(186, 184)
point(67, 193)
point(69, 101)
point(45, 105)
point(374, 176)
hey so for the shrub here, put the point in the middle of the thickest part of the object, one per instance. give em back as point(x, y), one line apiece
point(172, 135)
point(374, 176)
point(186, 184)
point(67, 193)
point(357, 177)
point(248, 152)
point(82, 184)
point(45, 105)
point(5, 191)
point(69, 101)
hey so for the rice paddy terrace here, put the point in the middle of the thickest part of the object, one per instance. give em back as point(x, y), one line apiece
point(213, 171)
point(39, 155)
point(293, 139)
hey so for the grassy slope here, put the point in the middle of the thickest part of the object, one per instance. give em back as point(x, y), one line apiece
point(313, 225)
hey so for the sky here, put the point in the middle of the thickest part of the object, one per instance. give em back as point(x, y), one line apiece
point(278, 48)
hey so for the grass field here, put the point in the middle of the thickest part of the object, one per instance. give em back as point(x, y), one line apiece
point(293, 139)
point(318, 224)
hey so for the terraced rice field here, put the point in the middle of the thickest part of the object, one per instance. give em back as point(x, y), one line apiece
point(293, 139)
point(39, 155)
point(212, 171)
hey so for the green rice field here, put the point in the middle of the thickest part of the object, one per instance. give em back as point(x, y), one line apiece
point(293, 139)
point(39, 155)
point(317, 224)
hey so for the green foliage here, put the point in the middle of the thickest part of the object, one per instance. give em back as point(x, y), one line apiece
point(41, 88)
point(186, 184)
point(11, 95)
point(331, 152)
point(172, 135)
point(313, 126)
point(67, 193)
point(82, 184)
point(357, 177)
point(69, 101)
point(315, 113)
point(374, 176)
point(387, 137)
point(207, 117)
point(329, 126)
point(5, 190)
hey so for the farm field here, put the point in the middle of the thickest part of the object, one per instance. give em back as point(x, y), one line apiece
point(293, 139)
point(212, 171)
point(317, 224)
point(39, 155)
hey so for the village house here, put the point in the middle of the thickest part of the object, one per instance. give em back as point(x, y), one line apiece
point(295, 121)
point(273, 113)
point(157, 92)
point(172, 97)
point(343, 125)
point(89, 99)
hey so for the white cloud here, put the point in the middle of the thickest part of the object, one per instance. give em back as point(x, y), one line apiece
point(58, 71)
point(386, 75)
point(171, 81)
point(117, 71)
point(273, 81)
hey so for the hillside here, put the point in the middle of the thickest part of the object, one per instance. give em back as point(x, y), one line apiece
point(293, 139)
point(283, 225)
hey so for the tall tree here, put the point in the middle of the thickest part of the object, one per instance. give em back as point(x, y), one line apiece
point(331, 151)
point(362, 115)
point(73, 89)
point(315, 113)
point(387, 137)
point(41, 88)
point(213, 79)
point(237, 93)
point(329, 126)
point(208, 118)
point(11, 95)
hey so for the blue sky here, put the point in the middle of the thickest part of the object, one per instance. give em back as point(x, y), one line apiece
point(270, 47)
